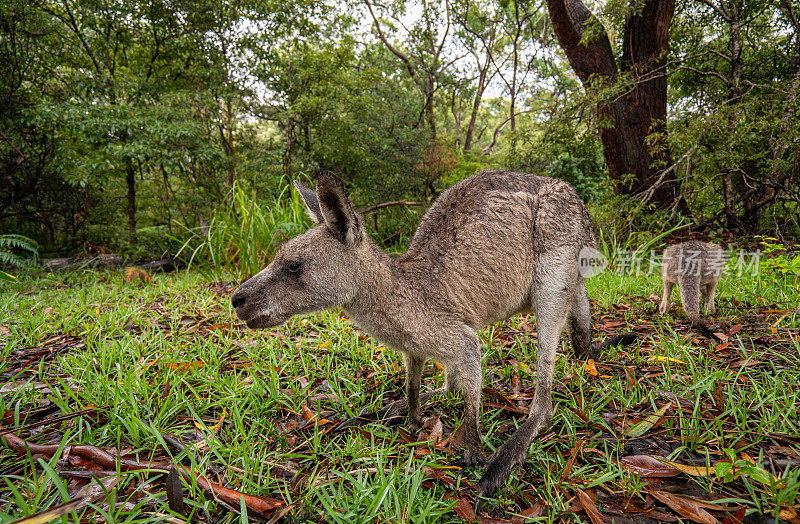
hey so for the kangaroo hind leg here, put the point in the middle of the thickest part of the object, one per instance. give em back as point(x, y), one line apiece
point(552, 301)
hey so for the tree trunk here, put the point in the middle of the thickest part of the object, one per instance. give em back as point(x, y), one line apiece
point(635, 163)
point(476, 103)
point(130, 179)
point(429, 90)
point(229, 150)
point(456, 117)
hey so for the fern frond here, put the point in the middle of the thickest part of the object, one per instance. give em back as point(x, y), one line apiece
point(10, 242)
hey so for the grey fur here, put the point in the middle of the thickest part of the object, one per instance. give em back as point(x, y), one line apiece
point(696, 268)
point(494, 245)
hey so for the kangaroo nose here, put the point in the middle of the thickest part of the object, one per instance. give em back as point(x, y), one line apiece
point(238, 299)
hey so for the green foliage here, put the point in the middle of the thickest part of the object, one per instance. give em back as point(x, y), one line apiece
point(125, 126)
point(16, 251)
point(778, 259)
point(245, 233)
point(391, 495)
point(736, 94)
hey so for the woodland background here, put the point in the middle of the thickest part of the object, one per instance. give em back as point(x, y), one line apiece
point(141, 127)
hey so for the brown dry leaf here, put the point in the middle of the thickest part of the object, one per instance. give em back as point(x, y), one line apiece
point(648, 467)
point(630, 376)
point(457, 438)
point(464, 510)
point(735, 518)
point(537, 510)
point(708, 504)
point(91, 492)
point(589, 507)
point(308, 415)
point(591, 369)
point(218, 425)
point(775, 480)
point(435, 434)
point(694, 471)
point(135, 273)
point(51, 514)
point(685, 507)
point(185, 366)
point(573, 454)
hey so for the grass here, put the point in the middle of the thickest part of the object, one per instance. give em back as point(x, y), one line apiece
point(151, 362)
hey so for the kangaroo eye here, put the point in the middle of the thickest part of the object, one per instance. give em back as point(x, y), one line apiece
point(293, 267)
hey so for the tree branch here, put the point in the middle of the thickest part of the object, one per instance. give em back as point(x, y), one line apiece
point(399, 54)
point(371, 209)
point(570, 19)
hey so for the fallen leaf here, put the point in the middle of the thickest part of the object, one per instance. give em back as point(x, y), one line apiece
point(51, 514)
point(735, 518)
point(647, 424)
point(135, 273)
point(537, 510)
point(434, 429)
point(694, 471)
point(464, 510)
point(457, 438)
point(648, 467)
point(573, 454)
point(589, 507)
point(591, 369)
point(661, 358)
point(185, 366)
point(708, 504)
point(684, 507)
point(308, 415)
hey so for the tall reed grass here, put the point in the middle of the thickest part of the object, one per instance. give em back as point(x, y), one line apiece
point(245, 233)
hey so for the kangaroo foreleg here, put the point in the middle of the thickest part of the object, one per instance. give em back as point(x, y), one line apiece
point(465, 375)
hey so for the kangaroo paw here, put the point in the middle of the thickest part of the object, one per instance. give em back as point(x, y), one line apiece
point(508, 456)
point(396, 409)
point(495, 476)
point(469, 459)
point(413, 426)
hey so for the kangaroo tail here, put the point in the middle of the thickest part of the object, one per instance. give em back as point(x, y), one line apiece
point(701, 328)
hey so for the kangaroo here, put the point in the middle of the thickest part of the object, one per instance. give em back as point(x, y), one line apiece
point(493, 245)
point(696, 267)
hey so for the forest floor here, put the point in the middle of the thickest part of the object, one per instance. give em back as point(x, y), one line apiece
point(146, 401)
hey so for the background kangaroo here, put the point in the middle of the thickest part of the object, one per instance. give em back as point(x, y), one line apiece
point(493, 245)
point(696, 267)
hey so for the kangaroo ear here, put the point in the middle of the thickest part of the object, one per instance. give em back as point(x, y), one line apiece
point(337, 210)
point(311, 201)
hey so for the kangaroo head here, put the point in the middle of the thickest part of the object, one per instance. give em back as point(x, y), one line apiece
point(314, 271)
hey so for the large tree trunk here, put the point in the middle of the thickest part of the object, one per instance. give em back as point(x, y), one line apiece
point(629, 118)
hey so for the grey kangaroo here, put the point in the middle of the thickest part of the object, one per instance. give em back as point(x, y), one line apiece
point(695, 267)
point(493, 245)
